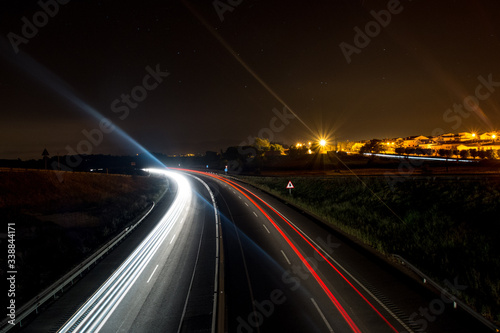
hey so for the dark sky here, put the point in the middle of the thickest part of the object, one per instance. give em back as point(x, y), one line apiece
point(401, 82)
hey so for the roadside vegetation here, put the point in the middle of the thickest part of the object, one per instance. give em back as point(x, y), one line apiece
point(60, 221)
point(447, 227)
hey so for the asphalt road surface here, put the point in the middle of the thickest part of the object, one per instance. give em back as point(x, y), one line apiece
point(160, 279)
point(287, 272)
point(278, 270)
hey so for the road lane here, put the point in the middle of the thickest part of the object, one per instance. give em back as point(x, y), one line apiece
point(283, 271)
point(376, 297)
point(390, 292)
point(180, 297)
point(165, 283)
point(260, 296)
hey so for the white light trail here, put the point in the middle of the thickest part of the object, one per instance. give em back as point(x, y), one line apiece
point(92, 316)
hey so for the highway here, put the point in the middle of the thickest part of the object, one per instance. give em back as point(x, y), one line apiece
point(160, 279)
point(287, 272)
point(280, 271)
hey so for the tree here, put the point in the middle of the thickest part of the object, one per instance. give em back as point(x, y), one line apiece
point(419, 151)
point(491, 154)
point(373, 146)
point(445, 153)
point(464, 154)
point(297, 151)
point(262, 144)
point(277, 147)
point(409, 150)
point(473, 153)
point(399, 151)
point(231, 153)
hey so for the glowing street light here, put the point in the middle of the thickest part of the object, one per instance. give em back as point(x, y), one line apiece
point(322, 142)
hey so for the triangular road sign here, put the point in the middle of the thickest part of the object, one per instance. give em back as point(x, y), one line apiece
point(290, 185)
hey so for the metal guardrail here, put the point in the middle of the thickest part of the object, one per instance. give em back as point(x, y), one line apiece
point(456, 301)
point(51, 292)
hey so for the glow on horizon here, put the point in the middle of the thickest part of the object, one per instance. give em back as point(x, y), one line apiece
point(50, 80)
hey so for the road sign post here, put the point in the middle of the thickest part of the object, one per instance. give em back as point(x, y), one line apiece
point(289, 187)
point(45, 155)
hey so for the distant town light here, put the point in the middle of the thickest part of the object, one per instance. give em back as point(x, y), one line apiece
point(322, 142)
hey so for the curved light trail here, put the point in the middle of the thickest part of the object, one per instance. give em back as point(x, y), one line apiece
point(304, 237)
point(330, 295)
point(94, 313)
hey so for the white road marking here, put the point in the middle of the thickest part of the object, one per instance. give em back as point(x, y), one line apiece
point(172, 239)
point(217, 255)
point(246, 204)
point(286, 258)
point(93, 315)
point(266, 229)
point(255, 214)
point(152, 274)
point(330, 329)
point(239, 196)
point(408, 329)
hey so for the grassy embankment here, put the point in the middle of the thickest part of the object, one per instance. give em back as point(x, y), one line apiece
point(447, 228)
point(58, 224)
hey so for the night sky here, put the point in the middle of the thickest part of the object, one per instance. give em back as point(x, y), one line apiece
point(225, 77)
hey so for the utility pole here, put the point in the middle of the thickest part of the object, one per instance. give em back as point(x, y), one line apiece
point(45, 155)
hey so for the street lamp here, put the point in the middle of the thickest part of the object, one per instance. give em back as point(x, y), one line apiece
point(322, 142)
